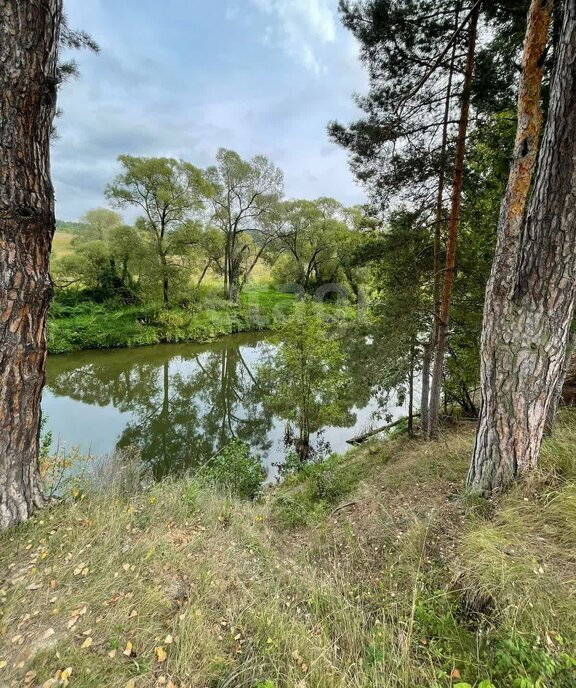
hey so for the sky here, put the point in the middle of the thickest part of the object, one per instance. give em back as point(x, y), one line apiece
point(182, 78)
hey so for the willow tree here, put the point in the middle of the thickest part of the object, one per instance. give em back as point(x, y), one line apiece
point(243, 196)
point(29, 76)
point(532, 289)
point(168, 192)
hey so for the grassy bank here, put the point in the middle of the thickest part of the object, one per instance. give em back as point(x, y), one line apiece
point(373, 569)
point(87, 325)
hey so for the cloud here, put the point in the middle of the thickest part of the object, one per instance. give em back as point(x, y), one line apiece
point(300, 28)
point(206, 82)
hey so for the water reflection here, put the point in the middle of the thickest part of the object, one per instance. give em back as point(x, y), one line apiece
point(182, 404)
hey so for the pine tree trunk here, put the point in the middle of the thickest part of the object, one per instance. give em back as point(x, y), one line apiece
point(29, 33)
point(450, 268)
point(532, 288)
point(411, 391)
point(425, 396)
point(437, 292)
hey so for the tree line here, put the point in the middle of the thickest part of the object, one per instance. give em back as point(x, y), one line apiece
point(221, 221)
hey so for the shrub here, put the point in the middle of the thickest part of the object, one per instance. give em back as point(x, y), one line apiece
point(236, 471)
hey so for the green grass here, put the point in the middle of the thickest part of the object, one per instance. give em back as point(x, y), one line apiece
point(389, 577)
point(87, 325)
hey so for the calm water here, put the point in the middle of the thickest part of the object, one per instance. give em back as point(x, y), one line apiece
point(181, 404)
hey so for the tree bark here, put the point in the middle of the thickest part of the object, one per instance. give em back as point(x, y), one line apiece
point(532, 288)
point(450, 268)
point(29, 34)
point(411, 391)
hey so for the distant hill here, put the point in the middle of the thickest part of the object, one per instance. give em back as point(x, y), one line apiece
point(70, 227)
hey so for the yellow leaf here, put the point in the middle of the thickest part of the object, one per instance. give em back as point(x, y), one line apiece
point(66, 674)
point(160, 654)
point(3, 663)
point(87, 643)
point(128, 650)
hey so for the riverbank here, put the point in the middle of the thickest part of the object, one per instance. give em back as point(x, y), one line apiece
point(87, 325)
point(373, 569)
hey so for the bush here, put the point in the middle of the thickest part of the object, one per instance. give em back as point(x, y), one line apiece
point(236, 471)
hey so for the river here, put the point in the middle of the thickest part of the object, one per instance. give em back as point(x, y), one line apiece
point(181, 404)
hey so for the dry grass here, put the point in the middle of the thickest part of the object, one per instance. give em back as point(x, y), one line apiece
point(379, 593)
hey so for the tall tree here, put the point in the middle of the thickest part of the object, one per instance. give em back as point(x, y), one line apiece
point(415, 123)
point(29, 77)
point(243, 196)
point(169, 193)
point(443, 315)
point(532, 289)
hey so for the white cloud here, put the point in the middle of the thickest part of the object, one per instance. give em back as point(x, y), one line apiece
point(300, 27)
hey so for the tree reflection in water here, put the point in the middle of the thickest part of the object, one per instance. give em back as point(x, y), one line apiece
point(184, 403)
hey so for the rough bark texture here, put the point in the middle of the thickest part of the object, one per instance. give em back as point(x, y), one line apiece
point(450, 268)
point(532, 288)
point(29, 34)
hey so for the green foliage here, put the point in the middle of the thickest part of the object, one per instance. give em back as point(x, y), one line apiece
point(76, 323)
point(305, 379)
point(312, 244)
point(528, 662)
point(236, 471)
point(309, 492)
point(168, 192)
point(243, 196)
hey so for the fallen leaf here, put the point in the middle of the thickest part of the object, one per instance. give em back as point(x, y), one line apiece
point(30, 676)
point(128, 650)
point(133, 614)
point(78, 570)
point(72, 622)
point(131, 684)
point(16, 639)
point(455, 675)
point(53, 584)
point(112, 654)
point(160, 653)
point(3, 663)
point(34, 586)
point(87, 643)
point(168, 640)
point(48, 634)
